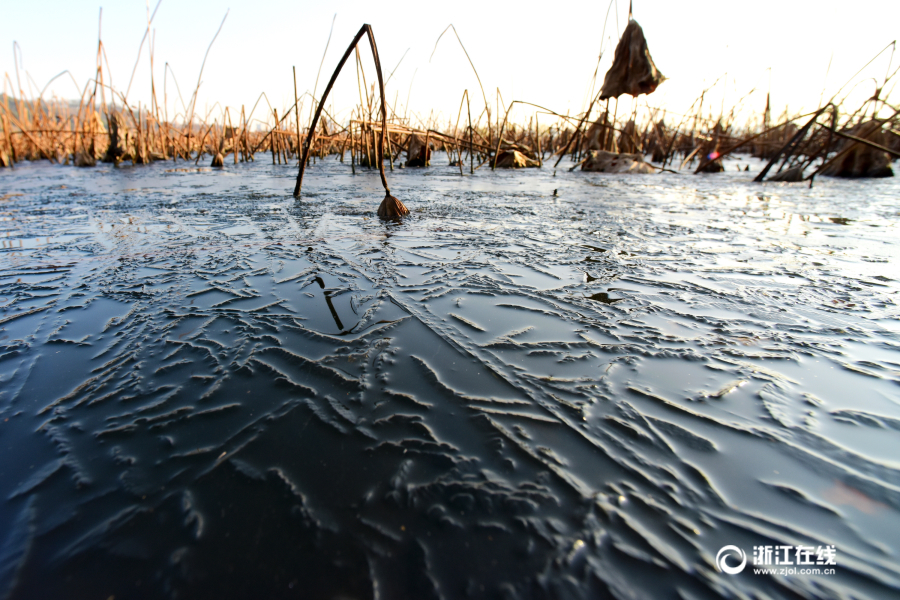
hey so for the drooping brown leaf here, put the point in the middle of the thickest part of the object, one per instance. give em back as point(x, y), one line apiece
point(513, 159)
point(418, 154)
point(613, 162)
point(633, 71)
point(391, 208)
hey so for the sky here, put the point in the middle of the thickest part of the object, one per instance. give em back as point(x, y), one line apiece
point(540, 52)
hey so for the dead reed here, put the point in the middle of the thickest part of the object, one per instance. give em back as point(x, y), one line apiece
point(103, 126)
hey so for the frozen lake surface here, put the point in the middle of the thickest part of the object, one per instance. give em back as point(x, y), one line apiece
point(211, 390)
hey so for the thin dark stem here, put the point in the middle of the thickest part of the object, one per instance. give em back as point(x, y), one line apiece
point(364, 30)
point(371, 35)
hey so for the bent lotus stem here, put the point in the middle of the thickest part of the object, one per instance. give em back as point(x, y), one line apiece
point(390, 207)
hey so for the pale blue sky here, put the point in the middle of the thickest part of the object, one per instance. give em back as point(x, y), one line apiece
point(544, 52)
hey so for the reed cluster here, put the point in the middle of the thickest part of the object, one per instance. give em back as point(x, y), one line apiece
point(85, 134)
point(103, 126)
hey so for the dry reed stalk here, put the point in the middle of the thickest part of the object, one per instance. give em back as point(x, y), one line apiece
point(364, 133)
point(787, 147)
point(6, 126)
point(343, 147)
point(318, 73)
point(272, 140)
point(234, 146)
point(471, 150)
point(865, 142)
point(400, 147)
point(747, 140)
point(578, 130)
point(874, 126)
point(193, 101)
point(243, 142)
point(391, 153)
point(297, 100)
point(218, 160)
point(352, 149)
point(202, 141)
point(27, 133)
point(455, 132)
point(500, 134)
point(390, 207)
point(362, 87)
point(6, 159)
point(481, 87)
point(138, 146)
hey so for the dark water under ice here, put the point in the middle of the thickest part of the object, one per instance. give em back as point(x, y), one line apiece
point(209, 390)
